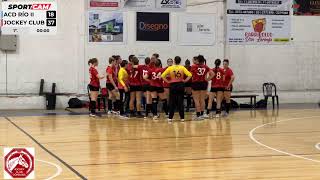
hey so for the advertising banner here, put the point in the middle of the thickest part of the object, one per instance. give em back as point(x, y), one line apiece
point(106, 4)
point(196, 29)
point(165, 5)
point(171, 5)
point(153, 26)
point(306, 7)
point(258, 29)
point(106, 27)
point(259, 7)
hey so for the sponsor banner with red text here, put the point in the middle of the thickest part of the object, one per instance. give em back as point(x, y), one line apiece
point(258, 29)
point(29, 17)
point(19, 163)
point(157, 5)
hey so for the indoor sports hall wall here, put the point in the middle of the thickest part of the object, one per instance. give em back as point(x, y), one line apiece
point(62, 58)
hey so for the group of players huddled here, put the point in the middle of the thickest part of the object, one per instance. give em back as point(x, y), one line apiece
point(131, 84)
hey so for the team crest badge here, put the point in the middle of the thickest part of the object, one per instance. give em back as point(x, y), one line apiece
point(19, 163)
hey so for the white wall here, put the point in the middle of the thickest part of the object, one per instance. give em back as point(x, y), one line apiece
point(62, 58)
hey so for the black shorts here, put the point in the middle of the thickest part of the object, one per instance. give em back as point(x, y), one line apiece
point(221, 89)
point(177, 88)
point(199, 86)
point(110, 87)
point(156, 89)
point(145, 88)
point(93, 88)
point(188, 84)
point(135, 88)
point(228, 90)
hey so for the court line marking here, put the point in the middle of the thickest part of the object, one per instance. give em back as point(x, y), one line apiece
point(251, 135)
point(48, 151)
point(317, 146)
point(59, 169)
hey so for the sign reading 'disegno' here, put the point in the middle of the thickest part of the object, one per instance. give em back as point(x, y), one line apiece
point(153, 26)
point(197, 29)
point(306, 7)
point(258, 21)
point(29, 17)
point(167, 5)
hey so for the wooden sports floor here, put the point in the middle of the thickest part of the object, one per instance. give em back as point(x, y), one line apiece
point(247, 145)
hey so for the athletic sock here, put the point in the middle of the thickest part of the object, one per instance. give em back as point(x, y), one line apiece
point(198, 114)
point(155, 106)
point(208, 111)
point(228, 107)
point(120, 105)
point(93, 107)
point(218, 111)
point(131, 112)
point(148, 108)
point(201, 113)
point(109, 104)
point(115, 105)
point(165, 106)
point(188, 101)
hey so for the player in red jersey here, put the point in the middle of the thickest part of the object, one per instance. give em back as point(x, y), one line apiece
point(229, 78)
point(188, 89)
point(147, 100)
point(166, 86)
point(111, 85)
point(94, 85)
point(201, 74)
point(135, 87)
point(217, 88)
point(156, 89)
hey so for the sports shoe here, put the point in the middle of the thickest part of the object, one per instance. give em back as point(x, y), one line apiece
point(123, 117)
point(139, 116)
point(205, 116)
point(226, 114)
point(182, 120)
point(156, 117)
point(109, 113)
point(197, 118)
point(169, 120)
point(92, 115)
point(217, 115)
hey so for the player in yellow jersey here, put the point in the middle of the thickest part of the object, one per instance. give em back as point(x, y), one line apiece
point(179, 75)
point(123, 86)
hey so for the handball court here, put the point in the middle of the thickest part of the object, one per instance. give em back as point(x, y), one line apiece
point(248, 144)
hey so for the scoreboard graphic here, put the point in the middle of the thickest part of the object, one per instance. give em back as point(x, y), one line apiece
point(29, 17)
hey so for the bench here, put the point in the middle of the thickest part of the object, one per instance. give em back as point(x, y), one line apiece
point(253, 98)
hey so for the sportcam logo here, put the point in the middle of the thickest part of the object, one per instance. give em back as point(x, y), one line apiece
point(171, 4)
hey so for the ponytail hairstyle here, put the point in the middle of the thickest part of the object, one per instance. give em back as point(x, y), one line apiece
point(123, 63)
point(135, 60)
point(201, 59)
point(111, 60)
point(217, 62)
point(147, 60)
point(158, 63)
point(92, 61)
point(187, 63)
